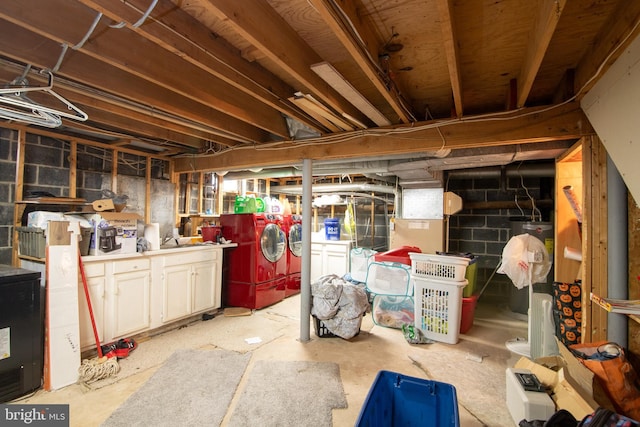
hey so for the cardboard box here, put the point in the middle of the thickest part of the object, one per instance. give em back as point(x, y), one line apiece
point(114, 233)
point(570, 381)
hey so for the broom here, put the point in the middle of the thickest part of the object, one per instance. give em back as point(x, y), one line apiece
point(102, 367)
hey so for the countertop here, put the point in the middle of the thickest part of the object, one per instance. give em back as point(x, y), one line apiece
point(88, 258)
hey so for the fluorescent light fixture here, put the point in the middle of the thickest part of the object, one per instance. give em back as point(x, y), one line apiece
point(340, 84)
point(147, 146)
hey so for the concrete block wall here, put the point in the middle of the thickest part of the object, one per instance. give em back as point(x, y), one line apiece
point(484, 232)
point(7, 189)
point(46, 169)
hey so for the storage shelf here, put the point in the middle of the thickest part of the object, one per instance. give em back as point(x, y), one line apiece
point(31, 258)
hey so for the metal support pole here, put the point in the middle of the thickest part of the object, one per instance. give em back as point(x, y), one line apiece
point(305, 275)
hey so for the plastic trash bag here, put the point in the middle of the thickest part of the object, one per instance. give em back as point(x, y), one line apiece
point(525, 260)
point(414, 335)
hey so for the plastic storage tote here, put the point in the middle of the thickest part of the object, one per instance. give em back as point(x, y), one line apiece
point(400, 400)
point(389, 278)
point(438, 308)
point(359, 260)
point(471, 272)
point(468, 311)
point(471, 275)
point(400, 255)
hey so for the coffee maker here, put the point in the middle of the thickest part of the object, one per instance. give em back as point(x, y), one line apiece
point(107, 239)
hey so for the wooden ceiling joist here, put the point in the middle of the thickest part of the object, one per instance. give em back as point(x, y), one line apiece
point(181, 34)
point(545, 25)
point(283, 46)
point(145, 60)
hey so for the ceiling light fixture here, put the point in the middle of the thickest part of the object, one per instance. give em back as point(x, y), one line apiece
point(342, 86)
point(147, 146)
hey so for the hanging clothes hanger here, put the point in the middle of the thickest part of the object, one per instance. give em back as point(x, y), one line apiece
point(16, 105)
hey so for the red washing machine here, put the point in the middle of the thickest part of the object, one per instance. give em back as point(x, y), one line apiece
point(255, 271)
point(293, 229)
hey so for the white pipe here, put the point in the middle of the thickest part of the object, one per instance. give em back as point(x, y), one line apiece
point(334, 188)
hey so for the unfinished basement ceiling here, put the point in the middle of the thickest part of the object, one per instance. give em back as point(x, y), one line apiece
point(221, 85)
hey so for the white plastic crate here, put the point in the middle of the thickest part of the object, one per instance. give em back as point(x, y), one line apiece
point(438, 308)
point(360, 258)
point(389, 278)
point(439, 267)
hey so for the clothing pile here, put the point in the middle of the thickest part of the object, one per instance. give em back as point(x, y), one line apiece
point(339, 304)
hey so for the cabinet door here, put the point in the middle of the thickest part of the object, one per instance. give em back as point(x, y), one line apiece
point(336, 260)
point(176, 292)
point(316, 261)
point(130, 307)
point(204, 286)
point(96, 287)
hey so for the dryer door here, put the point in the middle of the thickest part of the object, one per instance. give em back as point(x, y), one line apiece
point(295, 239)
point(273, 242)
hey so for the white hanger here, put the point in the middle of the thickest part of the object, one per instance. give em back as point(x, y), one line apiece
point(17, 106)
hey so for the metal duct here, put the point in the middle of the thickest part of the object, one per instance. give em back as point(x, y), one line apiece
point(535, 170)
point(617, 254)
point(336, 188)
point(266, 173)
point(350, 168)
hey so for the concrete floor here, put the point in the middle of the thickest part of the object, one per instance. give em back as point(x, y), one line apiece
point(475, 366)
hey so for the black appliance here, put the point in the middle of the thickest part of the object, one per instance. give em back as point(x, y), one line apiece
point(21, 332)
point(107, 239)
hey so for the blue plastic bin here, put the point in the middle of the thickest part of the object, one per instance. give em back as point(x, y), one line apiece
point(399, 400)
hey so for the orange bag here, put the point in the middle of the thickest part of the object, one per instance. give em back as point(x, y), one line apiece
point(614, 373)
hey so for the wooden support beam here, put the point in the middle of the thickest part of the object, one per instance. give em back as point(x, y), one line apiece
point(449, 36)
point(544, 27)
point(531, 125)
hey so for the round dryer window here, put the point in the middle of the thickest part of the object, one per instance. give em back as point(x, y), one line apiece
point(273, 242)
point(295, 239)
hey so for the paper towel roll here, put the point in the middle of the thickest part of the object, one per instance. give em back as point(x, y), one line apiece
point(571, 253)
point(152, 234)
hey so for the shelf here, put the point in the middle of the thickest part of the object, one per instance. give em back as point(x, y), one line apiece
point(31, 258)
point(54, 201)
point(629, 307)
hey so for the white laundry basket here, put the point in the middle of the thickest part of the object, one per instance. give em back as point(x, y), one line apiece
point(438, 308)
point(439, 267)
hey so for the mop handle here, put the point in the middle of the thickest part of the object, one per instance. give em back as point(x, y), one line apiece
point(86, 293)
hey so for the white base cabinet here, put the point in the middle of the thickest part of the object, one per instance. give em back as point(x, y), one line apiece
point(96, 283)
point(129, 306)
point(329, 257)
point(135, 293)
point(119, 292)
point(190, 283)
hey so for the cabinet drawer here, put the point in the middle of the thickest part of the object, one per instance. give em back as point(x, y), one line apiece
point(129, 265)
point(94, 269)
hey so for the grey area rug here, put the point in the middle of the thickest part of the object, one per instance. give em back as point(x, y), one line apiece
point(192, 388)
point(284, 394)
